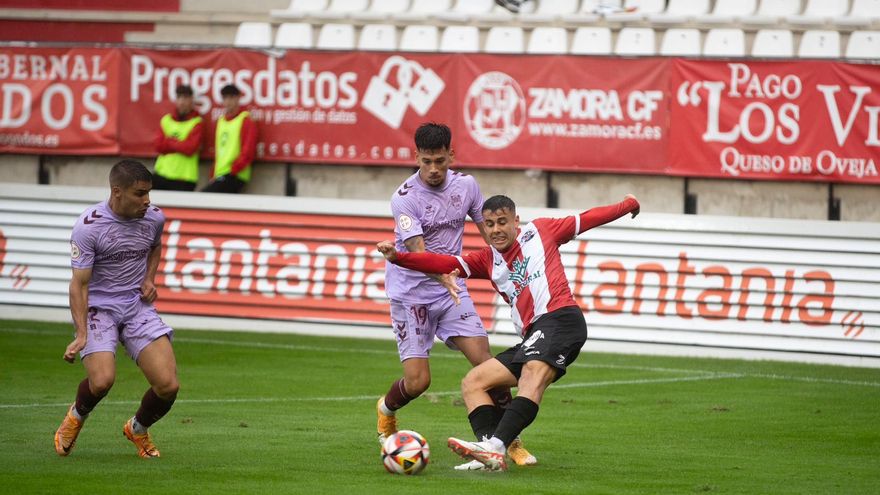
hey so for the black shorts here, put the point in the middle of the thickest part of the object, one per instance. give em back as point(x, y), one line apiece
point(556, 339)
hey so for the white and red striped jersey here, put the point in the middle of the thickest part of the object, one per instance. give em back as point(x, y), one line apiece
point(529, 275)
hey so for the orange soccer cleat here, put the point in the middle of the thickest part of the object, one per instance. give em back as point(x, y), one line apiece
point(65, 436)
point(387, 425)
point(143, 442)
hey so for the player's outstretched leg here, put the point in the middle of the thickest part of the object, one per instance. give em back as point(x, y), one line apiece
point(491, 456)
point(387, 424)
point(140, 437)
point(501, 399)
point(65, 436)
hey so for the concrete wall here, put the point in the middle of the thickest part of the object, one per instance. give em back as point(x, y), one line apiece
point(858, 203)
point(19, 168)
point(656, 194)
point(807, 201)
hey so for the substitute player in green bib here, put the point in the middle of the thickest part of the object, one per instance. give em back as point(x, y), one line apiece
point(178, 142)
point(235, 145)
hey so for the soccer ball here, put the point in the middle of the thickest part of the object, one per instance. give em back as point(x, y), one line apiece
point(405, 452)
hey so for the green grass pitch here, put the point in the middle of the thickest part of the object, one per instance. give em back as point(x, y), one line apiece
point(274, 413)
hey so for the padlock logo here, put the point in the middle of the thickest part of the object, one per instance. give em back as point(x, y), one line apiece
point(413, 86)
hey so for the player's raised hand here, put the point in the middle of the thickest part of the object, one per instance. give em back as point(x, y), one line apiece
point(449, 281)
point(148, 291)
point(636, 211)
point(387, 249)
point(73, 349)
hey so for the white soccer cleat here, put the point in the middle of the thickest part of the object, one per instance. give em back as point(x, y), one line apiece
point(483, 452)
point(473, 465)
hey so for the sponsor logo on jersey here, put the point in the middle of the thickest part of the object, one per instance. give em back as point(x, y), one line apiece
point(527, 236)
point(74, 251)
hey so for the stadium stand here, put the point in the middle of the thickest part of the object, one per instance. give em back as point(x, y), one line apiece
point(635, 41)
point(819, 44)
point(419, 38)
point(254, 34)
point(503, 39)
point(548, 40)
point(725, 42)
point(681, 42)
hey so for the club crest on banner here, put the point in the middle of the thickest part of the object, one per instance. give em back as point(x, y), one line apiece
point(495, 110)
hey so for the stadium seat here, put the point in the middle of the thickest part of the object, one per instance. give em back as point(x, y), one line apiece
point(591, 41)
point(818, 12)
point(419, 38)
point(378, 37)
point(294, 35)
point(422, 10)
point(864, 44)
point(300, 9)
point(635, 41)
point(681, 42)
point(336, 37)
point(862, 14)
point(548, 40)
point(729, 11)
point(640, 10)
point(465, 9)
point(460, 39)
point(773, 43)
point(725, 42)
point(680, 11)
point(820, 44)
point(502, 39)
point(340, 9)
point(551, 10)
point(771, 12)
point(253, 34)
point(382, 9)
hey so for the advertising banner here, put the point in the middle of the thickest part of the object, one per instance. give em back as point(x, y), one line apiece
point(782, 285)
point(786, 120)
point(776, 120)
point(59, 100)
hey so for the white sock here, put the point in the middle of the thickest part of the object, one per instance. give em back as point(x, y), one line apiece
point(137, 427)
point(384, 409)
point(497, 444)
point(76, 414)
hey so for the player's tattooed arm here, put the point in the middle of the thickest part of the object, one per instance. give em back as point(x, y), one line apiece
point(79, 307)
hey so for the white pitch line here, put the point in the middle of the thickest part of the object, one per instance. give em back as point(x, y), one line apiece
point(296, 347)
point(245, 400)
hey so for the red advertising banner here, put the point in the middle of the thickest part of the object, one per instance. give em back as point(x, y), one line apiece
point(792, 120)
point(59, 100)
point(285, 266)
point(776, 120)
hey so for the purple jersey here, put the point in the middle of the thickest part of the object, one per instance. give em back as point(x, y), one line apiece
point(116, 250)
point(438, 215)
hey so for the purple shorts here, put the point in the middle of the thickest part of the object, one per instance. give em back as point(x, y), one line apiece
point(135, 329)
point(416, 325)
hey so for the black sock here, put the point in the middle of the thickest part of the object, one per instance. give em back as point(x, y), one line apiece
point(85, 399)
point(519, 414)
point(484, 420)
point(152, 408)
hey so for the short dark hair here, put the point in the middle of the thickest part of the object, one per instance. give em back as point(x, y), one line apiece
point(499, 202)
point(127, 172)
point(184, 90)
point(432, 136)
point(230, 90)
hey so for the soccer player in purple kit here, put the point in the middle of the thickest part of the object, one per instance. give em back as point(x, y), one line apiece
point(115, 250)
point(429, 210)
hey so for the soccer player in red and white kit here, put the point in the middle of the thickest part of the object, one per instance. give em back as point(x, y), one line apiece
point(525, 267)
